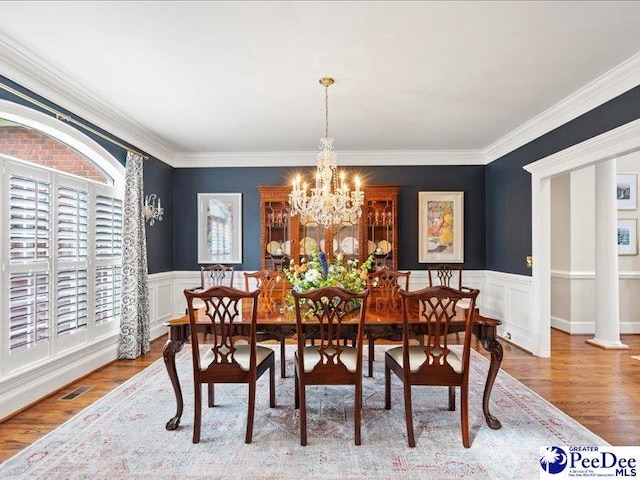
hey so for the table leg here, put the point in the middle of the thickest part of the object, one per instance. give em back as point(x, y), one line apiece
point(492, 346)
point(169, 354)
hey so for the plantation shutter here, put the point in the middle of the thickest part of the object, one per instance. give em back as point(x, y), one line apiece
point(30, 211)
point(72, 224)
point(28, 310)
point(108, 278)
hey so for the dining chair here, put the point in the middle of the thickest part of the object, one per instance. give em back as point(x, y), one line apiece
point(234, 356)
point(384, 286)
point(215, 276)
point(432, 363)
point(328, 362)
point(273, 285)
point(446, 275)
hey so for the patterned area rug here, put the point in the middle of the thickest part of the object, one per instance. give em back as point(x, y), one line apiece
point(123, 436)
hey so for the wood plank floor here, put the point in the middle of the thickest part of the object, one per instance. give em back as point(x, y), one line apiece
point(599, 388)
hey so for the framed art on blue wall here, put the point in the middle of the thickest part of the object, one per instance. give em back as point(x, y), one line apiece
point(219, 228)
point(440, 227)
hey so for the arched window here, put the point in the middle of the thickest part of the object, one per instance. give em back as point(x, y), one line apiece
point(61, 224)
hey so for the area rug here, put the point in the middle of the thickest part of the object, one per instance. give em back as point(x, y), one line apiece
point(123, 436)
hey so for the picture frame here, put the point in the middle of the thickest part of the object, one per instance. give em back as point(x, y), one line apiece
point(627, 237)
point(627, 191)
point(219, 228)
point(441, 227)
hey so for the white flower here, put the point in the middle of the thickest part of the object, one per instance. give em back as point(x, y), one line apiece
point(312, 275)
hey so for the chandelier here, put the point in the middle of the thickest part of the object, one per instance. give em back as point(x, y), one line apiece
point(331, 201)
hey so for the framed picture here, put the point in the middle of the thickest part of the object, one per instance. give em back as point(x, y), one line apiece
point(627, 237)
point(440, 227)
point(219, 228)
point(627, 191)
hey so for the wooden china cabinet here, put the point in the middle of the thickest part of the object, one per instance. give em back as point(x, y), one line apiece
point(284, 237)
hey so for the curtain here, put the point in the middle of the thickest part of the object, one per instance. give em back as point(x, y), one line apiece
point(134, 317)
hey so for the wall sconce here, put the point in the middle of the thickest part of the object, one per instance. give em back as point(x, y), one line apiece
point(152, 209)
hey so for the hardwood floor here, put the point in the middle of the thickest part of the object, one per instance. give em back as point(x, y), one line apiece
point(599, 388)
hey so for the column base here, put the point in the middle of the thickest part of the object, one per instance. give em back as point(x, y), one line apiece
point(607, 345)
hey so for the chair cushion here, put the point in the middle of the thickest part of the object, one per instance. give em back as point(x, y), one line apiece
point(348, 357)
point(417, 357)
point(242, 356)
point(464, 303)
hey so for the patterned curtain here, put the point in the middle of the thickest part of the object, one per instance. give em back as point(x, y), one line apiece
point(134, 319)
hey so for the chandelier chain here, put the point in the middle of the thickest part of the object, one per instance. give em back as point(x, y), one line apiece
point(326, 111)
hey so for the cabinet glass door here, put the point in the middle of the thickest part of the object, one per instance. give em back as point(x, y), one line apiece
point(345, 239)
point(277, 230)
point(312, 237)
point(381, 231)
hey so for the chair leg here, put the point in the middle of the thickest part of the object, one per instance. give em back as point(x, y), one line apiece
point(464, 416)
point(408, 412)
point(210, 394)
point(371, 354)
point(452, 398)
point(296, 393)
point(251, 411)
point(387, 386)
point(272, 385)
point(303, 414)
point(357, 414)
point(283, 360)
point(197, 411)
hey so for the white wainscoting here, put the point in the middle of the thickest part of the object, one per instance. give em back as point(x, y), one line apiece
point(573, 305)
point(508, 297)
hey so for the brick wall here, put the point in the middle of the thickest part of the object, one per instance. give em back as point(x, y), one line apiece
point(37, 147)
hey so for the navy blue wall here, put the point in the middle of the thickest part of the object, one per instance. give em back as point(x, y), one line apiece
point(191, 181)
point(158, 179)
point(508, 185)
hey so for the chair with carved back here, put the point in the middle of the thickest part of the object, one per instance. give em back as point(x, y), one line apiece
point(384, 286)
point(446, 275)
point(329, 361)
point(215, 276)
point(234, 357)
point(273, 285)
point(432, 363)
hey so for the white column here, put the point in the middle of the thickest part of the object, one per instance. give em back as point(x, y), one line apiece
point(607, 299)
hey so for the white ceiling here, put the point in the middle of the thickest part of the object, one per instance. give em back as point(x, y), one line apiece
point(243, 76)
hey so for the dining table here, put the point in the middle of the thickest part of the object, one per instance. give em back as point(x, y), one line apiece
point(279, 324)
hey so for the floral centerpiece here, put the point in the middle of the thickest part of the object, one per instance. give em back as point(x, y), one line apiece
point(317, 272)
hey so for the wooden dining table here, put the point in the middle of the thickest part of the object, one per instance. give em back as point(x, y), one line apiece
point(279, 325)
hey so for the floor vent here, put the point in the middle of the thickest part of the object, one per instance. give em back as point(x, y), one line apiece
point(76, 393)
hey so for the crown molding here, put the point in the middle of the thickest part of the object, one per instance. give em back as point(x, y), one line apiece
point(616, 81)
point(28, 70)
point(614, 143)
point(347, 158)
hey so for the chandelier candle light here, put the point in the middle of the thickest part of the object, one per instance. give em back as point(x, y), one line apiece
point(330, 202)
